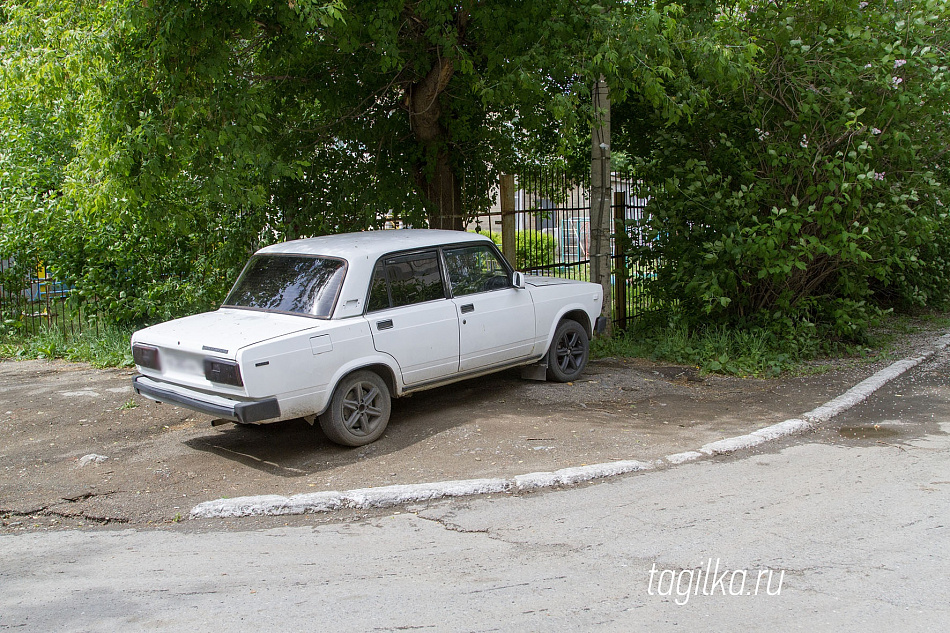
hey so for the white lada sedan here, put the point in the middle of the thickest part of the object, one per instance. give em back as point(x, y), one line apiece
point(332, 328)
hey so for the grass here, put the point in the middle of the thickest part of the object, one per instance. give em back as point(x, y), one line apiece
point(718, 349)
point(756, 351)
point(107, 348)
point(936, 320)
point(714, 349)
point(907, 324)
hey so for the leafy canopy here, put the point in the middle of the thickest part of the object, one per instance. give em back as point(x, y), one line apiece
point(812, 191)
point(149, 147)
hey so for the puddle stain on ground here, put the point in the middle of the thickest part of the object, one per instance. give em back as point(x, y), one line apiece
point(871, 432)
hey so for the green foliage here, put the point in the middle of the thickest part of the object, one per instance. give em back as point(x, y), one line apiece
point(532, 248)
point(77, 190)
point(719, 349)
point(107, 347)
point(794, 154)
point(813, 191)
point(146, 148)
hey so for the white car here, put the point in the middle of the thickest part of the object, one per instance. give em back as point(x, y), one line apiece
point(331, 328)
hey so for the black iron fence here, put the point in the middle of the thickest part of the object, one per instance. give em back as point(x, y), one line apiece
point(548, 217)
point(31, 300)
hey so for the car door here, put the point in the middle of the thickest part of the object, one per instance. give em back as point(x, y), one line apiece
point(496, 320)
point(411, 319)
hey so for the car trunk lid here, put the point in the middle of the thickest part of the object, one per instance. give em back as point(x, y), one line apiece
point(183, 344)
point(223, 332)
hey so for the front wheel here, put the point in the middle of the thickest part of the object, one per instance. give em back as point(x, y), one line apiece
point(359, 411)
point(569, 351)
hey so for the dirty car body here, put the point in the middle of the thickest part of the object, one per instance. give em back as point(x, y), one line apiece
point(332, 327)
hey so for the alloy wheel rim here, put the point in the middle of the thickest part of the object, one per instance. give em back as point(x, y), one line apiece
point(361, 413)
point(569, 352)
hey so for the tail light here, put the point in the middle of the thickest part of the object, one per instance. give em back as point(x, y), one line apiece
point(224, 372)
point(146, 356)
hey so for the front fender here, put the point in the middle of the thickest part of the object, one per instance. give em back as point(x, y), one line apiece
point(569, 309)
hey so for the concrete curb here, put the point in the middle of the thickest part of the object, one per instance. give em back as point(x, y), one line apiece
point(388, 496)
point(382, 497)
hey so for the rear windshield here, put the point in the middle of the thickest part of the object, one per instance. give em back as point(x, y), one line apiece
point(289, 283)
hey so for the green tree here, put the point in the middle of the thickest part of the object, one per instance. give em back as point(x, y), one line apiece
point(148, 251)
point(178, 136)
point(352, 113)
point(814, 190)
point(381, 108)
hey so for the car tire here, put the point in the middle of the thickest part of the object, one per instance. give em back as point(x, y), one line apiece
point(359, 410)
point(569, 351)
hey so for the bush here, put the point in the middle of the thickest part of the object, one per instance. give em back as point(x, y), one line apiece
point(814, 192)
point(532, 248)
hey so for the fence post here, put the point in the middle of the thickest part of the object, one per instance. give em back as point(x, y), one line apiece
point(600, 186)
point(621, 244)
point(507, 200)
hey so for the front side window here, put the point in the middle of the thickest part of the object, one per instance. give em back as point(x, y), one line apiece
point(289, 283)
point(405, 280)
point(475, 269)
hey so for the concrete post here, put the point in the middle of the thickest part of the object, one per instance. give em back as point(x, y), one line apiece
point(601, 218)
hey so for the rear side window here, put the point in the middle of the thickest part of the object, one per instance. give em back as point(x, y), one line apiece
point(404, 280)
point(289, 283)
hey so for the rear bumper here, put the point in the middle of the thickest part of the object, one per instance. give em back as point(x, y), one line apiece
point(245, 412)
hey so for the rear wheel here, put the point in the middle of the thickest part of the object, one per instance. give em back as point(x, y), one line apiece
point(359, 410)
point(569, 351)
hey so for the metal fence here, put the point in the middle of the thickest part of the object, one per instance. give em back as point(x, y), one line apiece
point(552, 234)
point(32, 301)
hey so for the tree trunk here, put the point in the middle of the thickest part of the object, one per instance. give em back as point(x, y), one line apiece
point(444, 191)
point(435, 174)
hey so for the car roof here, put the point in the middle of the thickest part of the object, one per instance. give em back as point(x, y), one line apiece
point(373, 244)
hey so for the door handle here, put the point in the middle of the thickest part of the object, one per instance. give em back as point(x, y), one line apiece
point(384, 325)
point(468, 307)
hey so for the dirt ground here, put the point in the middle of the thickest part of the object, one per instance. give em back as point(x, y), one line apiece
point(78, 449)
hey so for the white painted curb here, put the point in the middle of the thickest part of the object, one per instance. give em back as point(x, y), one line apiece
point(577, 474)
point(388, 496)
point(362, 498)
point(855, 395)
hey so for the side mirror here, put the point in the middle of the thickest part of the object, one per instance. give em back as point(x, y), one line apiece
point(517, 280)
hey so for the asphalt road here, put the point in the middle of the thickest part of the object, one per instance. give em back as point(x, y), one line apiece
point(844, 529)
